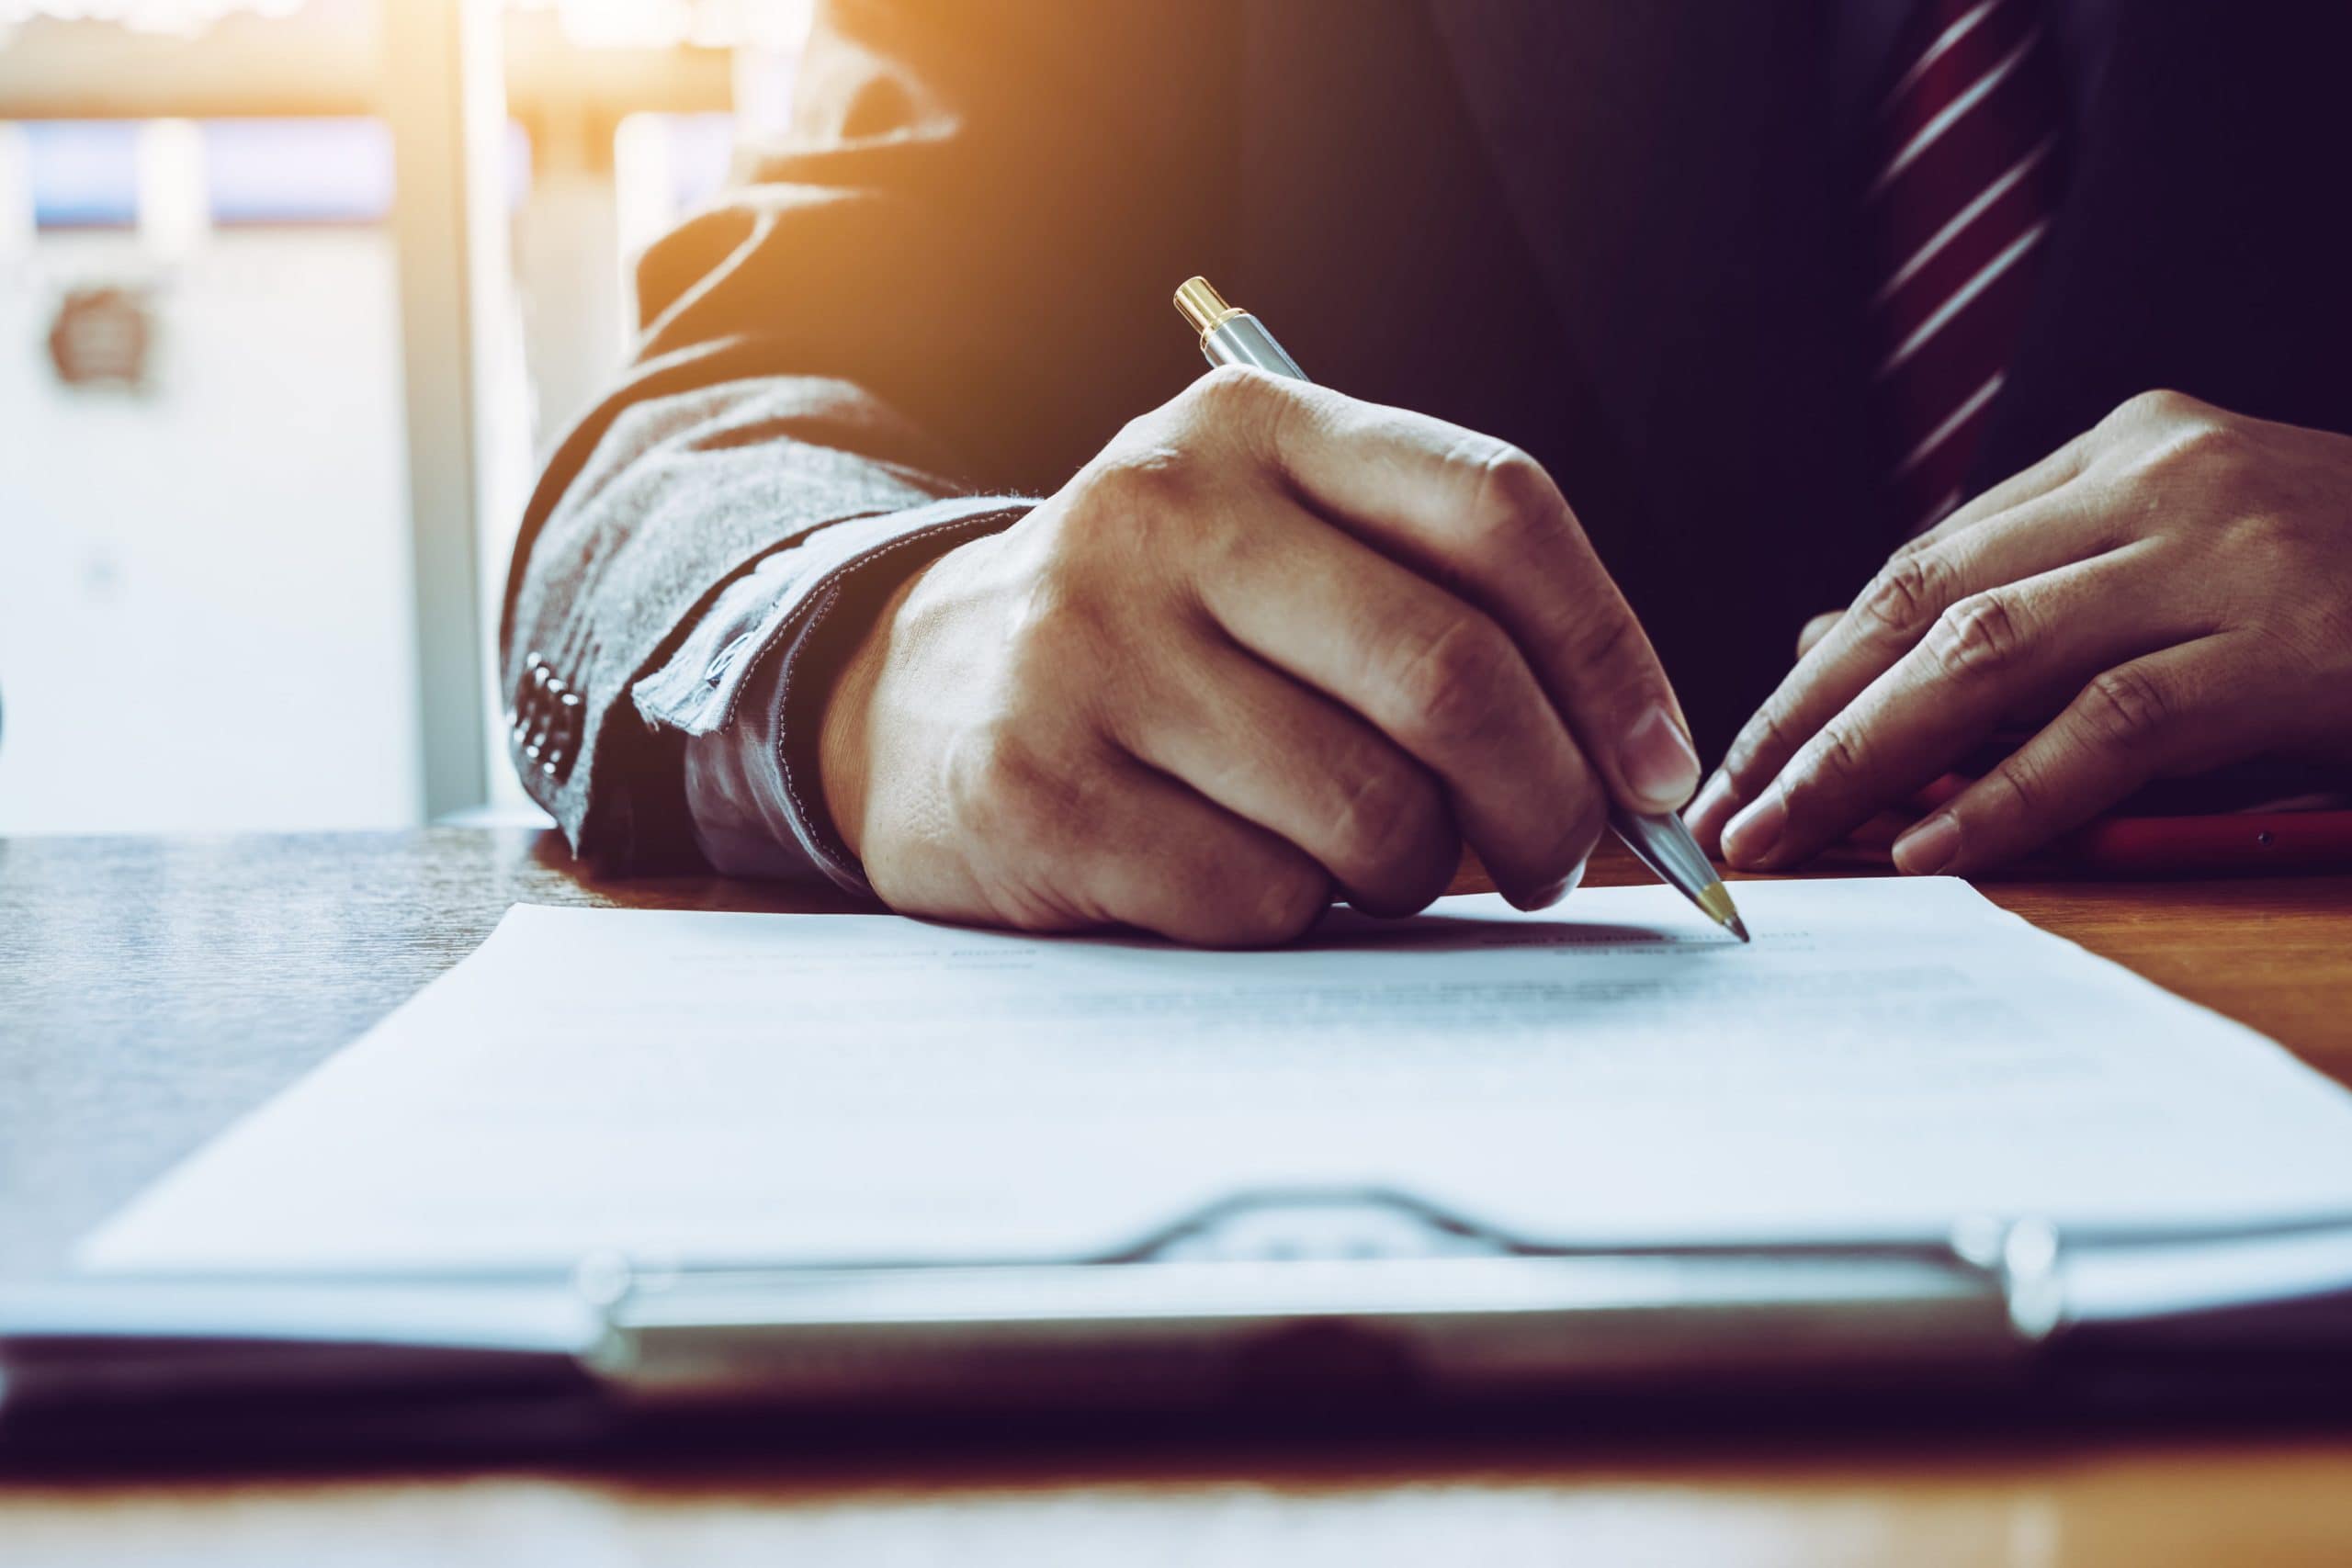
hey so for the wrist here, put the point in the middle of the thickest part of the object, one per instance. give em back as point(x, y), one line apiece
point(843, 754)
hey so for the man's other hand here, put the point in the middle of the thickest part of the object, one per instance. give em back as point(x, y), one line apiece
point(2175, 586)
point(1271, 645)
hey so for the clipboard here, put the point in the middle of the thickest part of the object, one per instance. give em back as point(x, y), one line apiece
point(1296, 1302)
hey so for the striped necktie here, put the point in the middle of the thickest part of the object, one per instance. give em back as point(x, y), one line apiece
point(1965, 172)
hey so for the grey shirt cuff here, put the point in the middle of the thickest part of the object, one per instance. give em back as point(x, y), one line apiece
point(747, 687)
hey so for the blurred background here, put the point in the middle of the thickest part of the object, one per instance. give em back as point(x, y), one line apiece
point(294, 294)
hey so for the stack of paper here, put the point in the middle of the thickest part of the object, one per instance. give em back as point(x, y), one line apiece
point(1888, 1057)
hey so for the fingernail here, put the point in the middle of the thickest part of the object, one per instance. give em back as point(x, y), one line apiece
point(1710, 801)
point(1928, 848)
point(1545, 898)
point(1750, 838)
point(1657, 762)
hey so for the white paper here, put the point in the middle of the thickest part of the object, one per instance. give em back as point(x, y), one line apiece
point(1889, 1056)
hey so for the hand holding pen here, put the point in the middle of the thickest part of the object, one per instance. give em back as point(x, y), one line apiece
point(1229, 336)
point(1271, 646)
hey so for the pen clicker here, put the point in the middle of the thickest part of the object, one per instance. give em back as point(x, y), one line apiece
point(1230, 337)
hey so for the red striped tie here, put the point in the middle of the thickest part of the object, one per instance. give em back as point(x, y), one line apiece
point(1966, 173)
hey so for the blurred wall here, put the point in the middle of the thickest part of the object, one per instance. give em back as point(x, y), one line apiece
point(204, 618)
point(206, 612)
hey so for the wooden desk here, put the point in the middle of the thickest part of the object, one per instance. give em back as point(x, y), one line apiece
point(152, 989)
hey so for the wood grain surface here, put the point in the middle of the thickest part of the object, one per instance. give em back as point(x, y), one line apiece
point(150, 990)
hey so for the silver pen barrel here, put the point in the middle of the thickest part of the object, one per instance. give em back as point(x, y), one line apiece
point(1665, 846)
point(1242, 339)
point(1232, 336)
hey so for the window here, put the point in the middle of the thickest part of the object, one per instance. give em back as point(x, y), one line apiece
point(254, 514)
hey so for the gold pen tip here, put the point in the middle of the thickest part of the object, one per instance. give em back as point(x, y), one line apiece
point(1202, 306)
point(1718, 902)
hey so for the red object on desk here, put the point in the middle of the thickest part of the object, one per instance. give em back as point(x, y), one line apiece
point(2236, 843)
point(2221, 843)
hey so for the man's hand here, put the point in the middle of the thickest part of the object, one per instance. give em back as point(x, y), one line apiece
point(1270, 645)
point(2176, 585)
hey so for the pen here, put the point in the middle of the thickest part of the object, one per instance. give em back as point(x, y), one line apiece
point(1230, 337)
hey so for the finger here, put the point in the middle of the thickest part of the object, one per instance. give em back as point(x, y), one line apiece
point(1716, 802)
point(1481, 515)
point(1711, 811)
point(2177, 711)
point(1160, 858)
point(1720, 799)
point(2044, 478)
point(1061, 831)
point(1433, 674)
point(1815, 630)
point(1953, 688)
point(1273, 752)
point(1894, 611)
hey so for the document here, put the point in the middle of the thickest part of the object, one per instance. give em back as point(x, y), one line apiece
point(1889, 1058)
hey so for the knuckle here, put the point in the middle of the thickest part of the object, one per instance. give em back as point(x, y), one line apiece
point(1232, 393)
point(2200, 447)
point(1383, 818)
point(2018, 791)
point(1918, 544)
point(1516, 505)
point(2126, 706)
point(1137, 504)
point(1908, 593)
point(2164, 436)
point(2157, 405)
point(1978, 636)
point(1837, 754)
point(1139, 483)
point(1244, 412)
point(1449, 684)
point(1612, 650)
point(2216, 435)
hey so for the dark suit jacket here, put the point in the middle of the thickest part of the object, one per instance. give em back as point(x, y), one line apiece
point(1616, 233)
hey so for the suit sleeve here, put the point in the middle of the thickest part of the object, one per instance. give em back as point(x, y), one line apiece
point(943, 294)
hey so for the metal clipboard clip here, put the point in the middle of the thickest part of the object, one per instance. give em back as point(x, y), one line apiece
point(1309, 1297)
point(1322, 1289)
